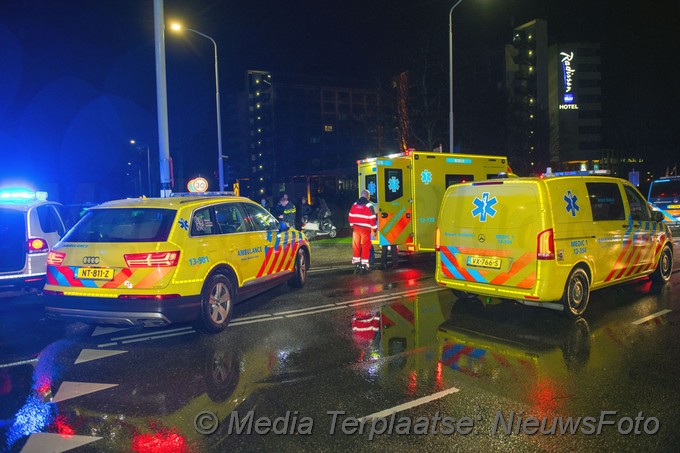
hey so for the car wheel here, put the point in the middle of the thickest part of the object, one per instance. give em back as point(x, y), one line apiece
point(217, 304)
point(221, 374)
point(664, 267)
point(576, 293)
point(300, 271)
point(332, 234)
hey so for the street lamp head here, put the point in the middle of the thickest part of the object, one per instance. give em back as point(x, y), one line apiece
point(176, 26)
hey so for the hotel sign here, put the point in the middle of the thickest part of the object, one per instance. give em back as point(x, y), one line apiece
point(568, 82)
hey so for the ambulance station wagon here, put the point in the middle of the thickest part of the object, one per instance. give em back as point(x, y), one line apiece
point(163, 260)
point(548, 241)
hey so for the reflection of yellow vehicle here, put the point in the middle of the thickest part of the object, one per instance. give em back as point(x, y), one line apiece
point(156, 261)
point(407, 190)
point(541, 240)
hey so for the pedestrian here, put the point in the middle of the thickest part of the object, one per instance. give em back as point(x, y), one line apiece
point(305, 211)
point(284, 211)
point(264, 203)
point(363, 220)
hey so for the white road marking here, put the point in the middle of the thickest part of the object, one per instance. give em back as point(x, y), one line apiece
point(650, 317)
point(52, 442)
point(410, 404)
point(104, 330)
point(19, 363)
point(333, 306)
point(68, 389)
point(146, 334)
point(87, 355)
point(155, 337)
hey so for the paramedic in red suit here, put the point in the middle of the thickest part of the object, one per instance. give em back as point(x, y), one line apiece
point(363, 220)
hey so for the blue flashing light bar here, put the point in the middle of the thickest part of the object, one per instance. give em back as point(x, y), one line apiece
point(21, 195)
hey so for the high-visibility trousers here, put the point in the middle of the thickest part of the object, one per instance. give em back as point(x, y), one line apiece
point(361, 245)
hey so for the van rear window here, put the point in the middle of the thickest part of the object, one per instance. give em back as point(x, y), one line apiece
point(123, 225)
point(605, 201)
point(669, 188)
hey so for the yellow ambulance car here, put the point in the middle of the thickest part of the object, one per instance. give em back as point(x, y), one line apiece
point(154, 261)
point(548, 241)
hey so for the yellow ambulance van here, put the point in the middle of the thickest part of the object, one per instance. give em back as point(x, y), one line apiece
point(407, 189)
point(548, 241)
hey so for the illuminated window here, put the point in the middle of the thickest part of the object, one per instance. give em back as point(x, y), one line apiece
point(260, 167)
point(328, 128)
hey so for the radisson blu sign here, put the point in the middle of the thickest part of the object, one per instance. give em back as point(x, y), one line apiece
point(568, 71)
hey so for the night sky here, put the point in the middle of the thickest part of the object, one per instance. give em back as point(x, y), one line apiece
point(77, 77)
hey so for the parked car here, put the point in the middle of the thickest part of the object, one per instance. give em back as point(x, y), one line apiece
point(155, 261)
point(30, 226)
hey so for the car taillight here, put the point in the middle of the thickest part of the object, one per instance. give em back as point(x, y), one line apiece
point(55, 258)
point(437, 239)
point(545, 249)
point(37, 245)
point(153, 259)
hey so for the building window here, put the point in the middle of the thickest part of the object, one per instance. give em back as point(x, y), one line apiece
point(328, 128)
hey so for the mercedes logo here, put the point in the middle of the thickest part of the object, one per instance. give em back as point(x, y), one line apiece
point(481, 238)
point(90, 260)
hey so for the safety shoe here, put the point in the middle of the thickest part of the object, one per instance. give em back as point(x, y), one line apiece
point(357, 268)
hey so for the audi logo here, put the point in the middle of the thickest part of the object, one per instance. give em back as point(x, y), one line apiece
point(91, 260)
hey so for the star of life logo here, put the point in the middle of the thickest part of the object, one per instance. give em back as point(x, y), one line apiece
point(371, 188)
point(426, 176)
point(571, 200)
point(484, 207)
point(393, 184)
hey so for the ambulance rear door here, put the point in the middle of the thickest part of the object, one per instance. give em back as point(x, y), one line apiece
point(394, 202)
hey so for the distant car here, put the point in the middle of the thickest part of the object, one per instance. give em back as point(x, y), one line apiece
point(155, 261)
point(664, 196)
point(29, 227)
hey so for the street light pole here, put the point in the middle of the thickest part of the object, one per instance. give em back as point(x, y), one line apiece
point(451, 75)
point(217, 101)
point(148, 165)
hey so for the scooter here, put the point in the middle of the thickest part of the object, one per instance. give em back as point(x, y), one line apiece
point(316, 228)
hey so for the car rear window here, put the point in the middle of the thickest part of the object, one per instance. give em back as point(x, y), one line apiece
point(665, 188)
point(123, 225)
point(12, 240)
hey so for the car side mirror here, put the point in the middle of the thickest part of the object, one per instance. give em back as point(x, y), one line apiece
point(657, 216)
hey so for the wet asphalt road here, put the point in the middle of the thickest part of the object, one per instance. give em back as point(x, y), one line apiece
point(454, 374)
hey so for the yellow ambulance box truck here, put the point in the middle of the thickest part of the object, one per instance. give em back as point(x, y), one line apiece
point(407, 189)
point(549, 241)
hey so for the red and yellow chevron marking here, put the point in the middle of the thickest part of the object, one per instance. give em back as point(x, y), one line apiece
point(403, 311)
point(484, 252)
point(517, 266)
point(397, 228)
point(466, 275)
point(280, 258)
point(147, 278)
point(632, 253)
